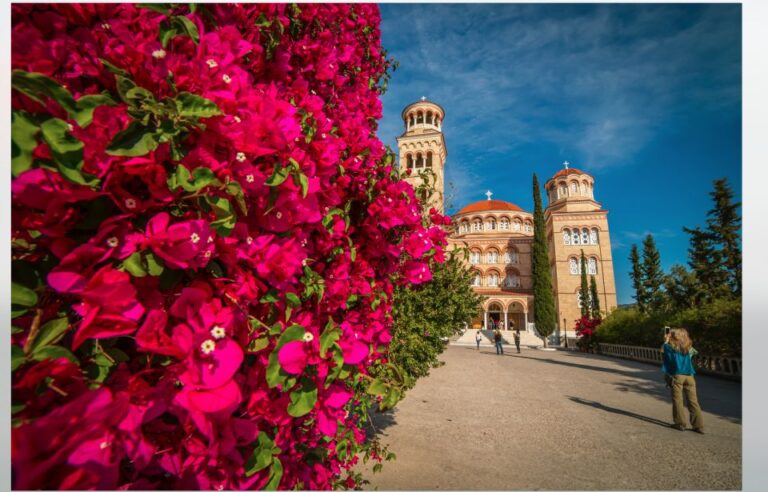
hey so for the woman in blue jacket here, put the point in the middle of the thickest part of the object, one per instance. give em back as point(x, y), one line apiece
point(678, 370)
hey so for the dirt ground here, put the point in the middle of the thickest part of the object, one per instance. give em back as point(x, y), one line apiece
point(558, 421)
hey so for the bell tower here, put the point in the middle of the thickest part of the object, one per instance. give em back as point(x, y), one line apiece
point(421, 148)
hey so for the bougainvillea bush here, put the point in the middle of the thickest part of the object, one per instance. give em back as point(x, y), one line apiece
point(206, 238)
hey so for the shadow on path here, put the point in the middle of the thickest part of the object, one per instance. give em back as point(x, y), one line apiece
point(619, 411)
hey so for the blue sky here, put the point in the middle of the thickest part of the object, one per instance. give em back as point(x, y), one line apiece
point(646, 98)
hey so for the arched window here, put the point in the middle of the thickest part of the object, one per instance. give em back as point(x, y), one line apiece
point(528, 227)
point(593, 236)
point(563, 191)
point(476, 280)
point(474, 257)
point(592, 266)
point(493, 279)
point(409, 159)
point(516, 225)
point(573, 264)
point(490, 225)
point(429, 117)
point(584, 236)
point(511, 280)
point(504, 224)
point(584, 188)
point(591, 190)
point(575, 237)
point(567, 237)
point(420, 118)
point(492, 257)
point(513, 256)
point(477, 226)
point(574, 188)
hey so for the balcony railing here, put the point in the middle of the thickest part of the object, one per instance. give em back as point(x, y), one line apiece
point(729, 367)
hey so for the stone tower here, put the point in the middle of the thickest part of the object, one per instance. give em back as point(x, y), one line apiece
point(576, 222)
point(422, 148)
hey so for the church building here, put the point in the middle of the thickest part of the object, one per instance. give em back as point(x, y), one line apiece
point(499, 234)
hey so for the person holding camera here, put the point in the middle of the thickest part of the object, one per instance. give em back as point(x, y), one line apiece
point(677, 366)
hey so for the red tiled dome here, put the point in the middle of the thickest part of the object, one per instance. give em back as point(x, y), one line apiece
point(566, 172)
point(489, 205)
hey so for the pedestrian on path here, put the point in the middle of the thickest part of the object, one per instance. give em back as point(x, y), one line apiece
point(517, 340)
point(498, 341)
point(478, 339)
point(678, 371)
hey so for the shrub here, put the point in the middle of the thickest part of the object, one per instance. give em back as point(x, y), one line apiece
point(207, 235)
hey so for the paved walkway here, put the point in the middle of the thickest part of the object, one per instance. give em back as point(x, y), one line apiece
point(555, 420)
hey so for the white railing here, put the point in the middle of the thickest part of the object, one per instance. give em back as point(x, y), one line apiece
point(707, 364)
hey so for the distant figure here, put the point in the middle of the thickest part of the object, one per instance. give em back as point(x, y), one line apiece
point(517, 340)
point(678, 370)
point(478, 339)
point(498, 341)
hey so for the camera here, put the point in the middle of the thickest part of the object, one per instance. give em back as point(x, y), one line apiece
point(666, 330)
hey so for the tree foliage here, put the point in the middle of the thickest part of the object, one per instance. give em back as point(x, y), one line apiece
point(543, 298)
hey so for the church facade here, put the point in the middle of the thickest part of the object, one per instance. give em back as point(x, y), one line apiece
point(499, 234)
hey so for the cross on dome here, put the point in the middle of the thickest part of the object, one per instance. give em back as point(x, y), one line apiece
point(566, 163)
point(423, 98)
point(488, 194)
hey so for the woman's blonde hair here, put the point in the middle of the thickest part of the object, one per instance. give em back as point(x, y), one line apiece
point(680, 340)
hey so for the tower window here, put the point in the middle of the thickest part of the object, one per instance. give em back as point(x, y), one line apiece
point(429, 159)
point(574, 188)
point(584, 236)
point(420, 119)
point(493, 280)
point(567, 237)
point(474, 257)
point(592, 266)
point(575, 237)
point(593, 236)
point(573, 266)
point(493, 257)
point(409, 160)
point(563, 191)
point(516, 225)
point(504, 225)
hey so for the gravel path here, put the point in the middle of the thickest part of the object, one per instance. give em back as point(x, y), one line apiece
point(555, 420)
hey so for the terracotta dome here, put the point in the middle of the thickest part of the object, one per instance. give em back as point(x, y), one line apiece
point(566, 172)
point(489, 205)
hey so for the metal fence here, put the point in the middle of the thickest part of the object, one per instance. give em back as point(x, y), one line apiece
point(729, 367)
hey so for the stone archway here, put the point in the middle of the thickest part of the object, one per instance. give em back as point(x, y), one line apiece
point(494, 315)
point(516, 313)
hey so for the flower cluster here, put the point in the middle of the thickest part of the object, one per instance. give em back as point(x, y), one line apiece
point(206, 238)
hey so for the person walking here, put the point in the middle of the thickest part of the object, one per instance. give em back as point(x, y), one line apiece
point(478, 339)
point(498, 341)
point(677, 366)
point(517, 340)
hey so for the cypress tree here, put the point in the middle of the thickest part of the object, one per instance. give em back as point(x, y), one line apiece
point(584, 290)
point(724, 225)
point(653, 276)
point(595, 300)
point(637, 278)
point(543, 299)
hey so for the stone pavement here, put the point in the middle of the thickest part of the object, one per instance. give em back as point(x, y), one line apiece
point(555, 420)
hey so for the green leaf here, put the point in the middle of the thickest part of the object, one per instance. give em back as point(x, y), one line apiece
point(279, 175)
point(330, 335)
point(269, 297)
point(23, 142)
point(22, 296)
point(17, 408)
point(377, 387)
point(54, 352)
point(50, 333)
point(303, 400)
point(136, 140)
point(274, 374)
point(187, 27)
point(377, 467)
point(258, 344)
point(192, 105)
point(225, 215)
point(162, 8)
point(67, 151)
point(38, 86)
point(304, 182)
point(166, 33)
point(112, 68)
point(292, 333)
point(134, 266)
point(262, 455)
point(292, 299)
point(234, 189)
point(17, 357)
point(87, 104)
point(275, 474)
point(154, 266)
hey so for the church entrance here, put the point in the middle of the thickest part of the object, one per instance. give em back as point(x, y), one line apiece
point(495, 317)
point(516, 317)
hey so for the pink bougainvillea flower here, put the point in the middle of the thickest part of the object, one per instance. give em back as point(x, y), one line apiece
point(330, 408)
point(293, 356)
point(187, 244)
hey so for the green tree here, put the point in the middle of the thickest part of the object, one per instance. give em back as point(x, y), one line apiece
point(652, 274)
point(595, 299)
point(683, 290)
point(584, 290)
point(543, 299)
point(724, 225)
point(703, 258)
point(636, 274)
point(424, 315)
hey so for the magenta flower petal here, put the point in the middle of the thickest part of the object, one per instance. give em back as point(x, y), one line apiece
point(222, 365)
point(223, 398)
point(293, 357)
point(354, 351)
point(326, 423)
point(337, 397)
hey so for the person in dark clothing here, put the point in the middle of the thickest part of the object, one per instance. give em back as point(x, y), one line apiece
point(498, 341)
